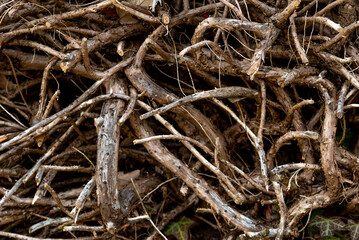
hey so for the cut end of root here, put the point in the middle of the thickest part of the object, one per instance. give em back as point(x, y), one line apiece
point(110, 226)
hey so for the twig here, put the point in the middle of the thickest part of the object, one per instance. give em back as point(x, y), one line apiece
point(84, 228)
point(306, 8)
point(322, 20)
point(11, 124)
point(17, 81)
point(51, 121)
point(58, 143)
point(293, 28)
point(53, 19)
point(219, 31)
point(67, 169)
point(282, 210)
point(192, 180)
point(77, 130)
point(354, 105)
point(57, 200)
point(50, 104)
point(210, 44)
point(59, 159)
point(6, 173)
point(329, 6)
point(353, 52)
point(80, 202)
point(176, 137)
point(228, 25)
point(259, 54)
point(130, 107)
point(254, 140)
point(144, 209)
point(219, 93)
point(295, 74)
point(216, 162)
point(38, 176)
point(341, 99)
point(18, 108)
point(249, 179)
point(136, 13)
point(19, 150)
point(264, 234)
point(294, 166)
point(23, 237)
point(289, 116)
point(40, 47)
point(236, 10)
point(85, 55)
point(340, 36)
point(263, 111)
point(157, 48)
point(56, 118)
point(45, 157)
point(82, 31)
point(335, 59)
point(48, 21)
point(100, 98)
point(12, 116)
point(267, 10)
point(350, 76)
point(285, 138)
point(237, 197)
point(43, 90)
point(280, 18)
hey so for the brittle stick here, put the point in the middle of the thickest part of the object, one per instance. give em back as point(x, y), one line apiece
point(40, 47)
point(43, 90)
point(341, 99)
point(237, 196)
point(263, 111)
point(290, 114)
point(254, 140)
point(50, 104)
point(219, 93)
point(130, 107)
point(294, 166)
point(176, 137)
point(80, 201)
point(210, 44)
point(198, 185)
point(57, 200)
point(56, 118)
point(282, 210)
point(285, 138)
point(85, 55)
point(293, 30)
point(136, 13)
point(68, 169)
point(236, 10)
point(249, 179)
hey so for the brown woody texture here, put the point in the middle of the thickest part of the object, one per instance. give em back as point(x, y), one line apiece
point(113, 113)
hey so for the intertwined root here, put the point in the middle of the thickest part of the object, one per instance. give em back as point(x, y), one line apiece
point(241, 104)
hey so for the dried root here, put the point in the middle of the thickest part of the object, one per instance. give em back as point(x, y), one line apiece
point(104, 102)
